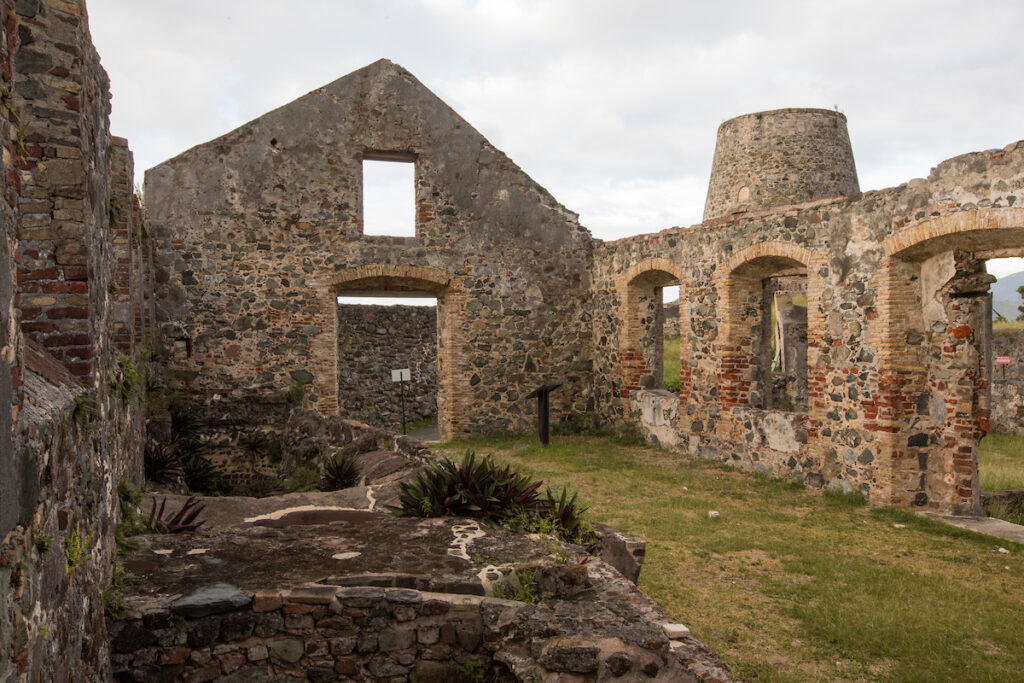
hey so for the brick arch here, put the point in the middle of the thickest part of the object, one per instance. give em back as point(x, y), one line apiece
point(452, 403)
point(425, 277)
point(935, 464)
point(981, 230)
point(651, 265)
point(639, 279)
point(765, 252)
point(739, 283)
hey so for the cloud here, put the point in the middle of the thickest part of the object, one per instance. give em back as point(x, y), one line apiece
point(612, 106)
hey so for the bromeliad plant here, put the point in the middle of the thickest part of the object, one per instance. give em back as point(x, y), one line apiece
point(499, 494)
point(183, 520)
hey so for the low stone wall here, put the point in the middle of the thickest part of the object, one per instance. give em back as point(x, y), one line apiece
point(373, 341)
point(656, 411)
point(327, 633)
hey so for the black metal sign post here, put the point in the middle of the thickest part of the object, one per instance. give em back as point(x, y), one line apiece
point(541, 394)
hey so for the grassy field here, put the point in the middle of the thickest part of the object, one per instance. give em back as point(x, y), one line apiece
point(1001, 462)
point(1007, 326)
point(670, 370)
point(793, 585)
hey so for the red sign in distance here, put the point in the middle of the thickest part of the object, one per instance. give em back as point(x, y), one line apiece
point(1002, 360)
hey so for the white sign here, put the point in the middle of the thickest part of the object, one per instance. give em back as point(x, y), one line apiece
point(400, 375)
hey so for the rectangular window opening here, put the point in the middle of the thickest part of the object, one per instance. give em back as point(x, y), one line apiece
point(389, 198)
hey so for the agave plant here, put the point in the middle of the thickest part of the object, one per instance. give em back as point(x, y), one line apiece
point(181, 521)
point(161, 464)
point(199, 474)
point(340, 472)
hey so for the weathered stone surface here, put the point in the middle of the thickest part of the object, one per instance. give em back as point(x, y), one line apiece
point(213, 599)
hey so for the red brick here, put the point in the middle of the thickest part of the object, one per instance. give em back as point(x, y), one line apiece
point(68, 312)
point(63, 286)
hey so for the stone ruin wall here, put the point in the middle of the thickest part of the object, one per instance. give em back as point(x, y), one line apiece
point(895, 331)
point(670, 315)
point(1008, 383)
point(256, 231)
point(373, 341)
point(71, 272)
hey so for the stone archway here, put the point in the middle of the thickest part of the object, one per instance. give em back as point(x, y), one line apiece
point(935, 310)
point(742, 375)
point(397, 279)
point(641, 319)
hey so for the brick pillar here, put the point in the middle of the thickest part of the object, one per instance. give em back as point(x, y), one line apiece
point(50, 151)
point(123, 247)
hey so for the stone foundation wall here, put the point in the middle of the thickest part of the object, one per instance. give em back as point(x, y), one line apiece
point(327, 633)
point(374, 340)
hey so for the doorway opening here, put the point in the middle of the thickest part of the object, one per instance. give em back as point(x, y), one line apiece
point(378, 334)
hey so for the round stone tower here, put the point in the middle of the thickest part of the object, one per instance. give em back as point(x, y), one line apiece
point(775, 158)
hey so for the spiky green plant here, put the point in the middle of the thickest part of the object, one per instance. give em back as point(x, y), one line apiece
point(340, 472)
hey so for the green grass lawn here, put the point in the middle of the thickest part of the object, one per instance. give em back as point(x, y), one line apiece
point(790, 584)
point(671, 365)
point(1001, 462)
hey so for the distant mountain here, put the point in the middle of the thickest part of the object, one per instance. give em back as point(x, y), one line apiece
point(1005, 298)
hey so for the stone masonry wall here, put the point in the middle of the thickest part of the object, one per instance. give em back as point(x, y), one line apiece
point(372, 341)
point(248, 288)
point(780, 157)
point(1008, 383)
point(73, 430)
point(897, 382)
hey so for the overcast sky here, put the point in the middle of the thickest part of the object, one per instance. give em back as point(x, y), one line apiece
point(612, 106)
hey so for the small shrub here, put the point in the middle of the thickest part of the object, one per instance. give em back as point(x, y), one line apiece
point(181, 521)
point(128, 386)
point(296, 394)
point(526, 588)
point(470, 671)
point(84, 412)
point(305, 477)
point(114, 603)
point(44, 542)
point(575, 423)
point(475, 488)
point(340, 472)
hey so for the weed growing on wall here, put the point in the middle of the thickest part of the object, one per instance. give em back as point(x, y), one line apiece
point(44, 542)
point(75, 545)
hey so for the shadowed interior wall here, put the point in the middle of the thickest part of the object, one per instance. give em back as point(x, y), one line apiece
point(373, 341)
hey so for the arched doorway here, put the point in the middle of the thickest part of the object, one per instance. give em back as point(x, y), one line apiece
point(643, 324)
point(399, 281)
point(938, 314)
